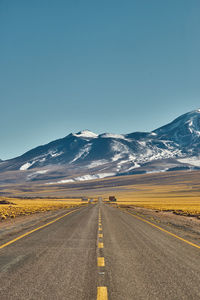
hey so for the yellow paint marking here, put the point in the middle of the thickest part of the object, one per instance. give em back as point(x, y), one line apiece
point(100, 224)
point(102, 293)
point(100, 245)
point(164, 230)
point(100, 235)
point(100, 262)
point(29, 232)
point(100, 228)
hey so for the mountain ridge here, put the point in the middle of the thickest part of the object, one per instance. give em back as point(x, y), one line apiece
point(86, 155)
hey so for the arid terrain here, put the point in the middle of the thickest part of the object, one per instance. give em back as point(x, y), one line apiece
point(175, 191)
point(62, 247)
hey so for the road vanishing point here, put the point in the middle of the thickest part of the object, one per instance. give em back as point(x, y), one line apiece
point(99, 252)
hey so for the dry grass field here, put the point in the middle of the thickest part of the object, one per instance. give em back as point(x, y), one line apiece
point(162, 198)
point(177, 192)
point(24, 207)
point(170, 191)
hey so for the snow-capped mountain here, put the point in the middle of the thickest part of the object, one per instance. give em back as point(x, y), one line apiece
point(185, 131)
point(87, 155)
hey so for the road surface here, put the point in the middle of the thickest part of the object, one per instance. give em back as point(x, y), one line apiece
point(99, 252)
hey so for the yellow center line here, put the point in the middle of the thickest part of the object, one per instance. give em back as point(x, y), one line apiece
point(100, 235)
point(100, 262)
point(100, 245)
point(100, 224)
point(36, 229)
point(164, 230)
point(102, 293)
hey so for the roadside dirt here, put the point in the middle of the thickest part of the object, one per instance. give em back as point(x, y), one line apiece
point(184, 226)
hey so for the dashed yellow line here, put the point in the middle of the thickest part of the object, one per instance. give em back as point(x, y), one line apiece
point(100, 245)
point(100, 262)
point(36, 229)
point(164, 230)
point(102, 293)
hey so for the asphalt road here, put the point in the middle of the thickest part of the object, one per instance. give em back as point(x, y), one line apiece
point(99, 252)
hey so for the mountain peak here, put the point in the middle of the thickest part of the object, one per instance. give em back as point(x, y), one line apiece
point(85, 153)
point(184, 130)
point(86, 134)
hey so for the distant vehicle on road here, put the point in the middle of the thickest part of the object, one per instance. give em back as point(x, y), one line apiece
point(112, 198)
point(84, 199)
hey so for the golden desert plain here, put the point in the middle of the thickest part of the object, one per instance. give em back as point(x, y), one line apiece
point(177, 192)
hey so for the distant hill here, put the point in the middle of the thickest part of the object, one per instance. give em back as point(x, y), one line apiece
point(86, 155)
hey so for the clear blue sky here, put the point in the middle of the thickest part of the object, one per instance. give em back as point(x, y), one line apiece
point(108, 66)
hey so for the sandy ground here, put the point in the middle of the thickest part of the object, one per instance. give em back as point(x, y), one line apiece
point(186, 227)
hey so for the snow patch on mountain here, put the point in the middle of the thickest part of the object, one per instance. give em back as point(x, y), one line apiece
point(84, 178)
point(83, 153)
point(142, 143)
point(35, 174)
point(119, 147)
point(114, 136)
point(117, 157)
point(155, 153)
point(97, 163)
point(95, 176)
point(40, 172)
point(134, 167)
point(62, 181)
point(86, 134)
point(54, 153)
point(195, 161)
point(157, 171)
point(26, 166)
